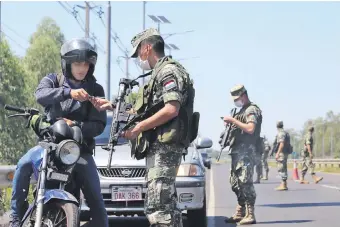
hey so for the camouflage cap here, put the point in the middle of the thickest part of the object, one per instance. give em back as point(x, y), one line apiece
point(237, 91)
point(137, 39)
point(279, 124)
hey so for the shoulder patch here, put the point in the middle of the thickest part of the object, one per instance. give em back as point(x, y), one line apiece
point(169, 85)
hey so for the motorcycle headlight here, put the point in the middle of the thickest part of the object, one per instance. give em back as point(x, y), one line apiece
point(68, 152)
point(189, 170)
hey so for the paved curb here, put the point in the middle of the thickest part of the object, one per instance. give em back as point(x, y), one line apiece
point(4, 220)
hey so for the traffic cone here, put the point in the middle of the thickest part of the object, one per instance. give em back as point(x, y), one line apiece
point(295, 172)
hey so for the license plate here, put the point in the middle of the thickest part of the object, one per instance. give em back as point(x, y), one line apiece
point(126, 193)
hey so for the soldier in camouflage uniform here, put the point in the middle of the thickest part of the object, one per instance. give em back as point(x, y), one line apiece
point(267, 148)
point(169, 83)
point(307, 155)
point(258, 160)
point(246, 129)
point(281, 157)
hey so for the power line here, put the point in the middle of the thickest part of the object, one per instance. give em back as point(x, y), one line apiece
point(80, 22)
point(114, 36)
point(13, 40)
point(15, 32)
point(74, 13)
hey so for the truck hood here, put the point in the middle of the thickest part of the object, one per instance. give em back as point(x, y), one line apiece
point(122, 157)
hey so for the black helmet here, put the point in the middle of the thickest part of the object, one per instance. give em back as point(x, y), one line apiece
point(78, 50)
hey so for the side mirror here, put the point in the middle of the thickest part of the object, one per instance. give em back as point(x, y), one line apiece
point(207, 163)
point(204, 143)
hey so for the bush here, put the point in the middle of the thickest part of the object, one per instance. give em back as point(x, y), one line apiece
point(6, 195)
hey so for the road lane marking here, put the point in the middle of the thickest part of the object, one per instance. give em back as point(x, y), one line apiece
point(328, 186)
point(211, 205)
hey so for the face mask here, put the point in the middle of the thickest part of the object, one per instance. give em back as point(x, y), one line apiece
point(144, 64)
point(238, 103)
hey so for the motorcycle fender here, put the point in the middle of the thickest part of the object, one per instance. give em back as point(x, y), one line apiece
point(59, 195)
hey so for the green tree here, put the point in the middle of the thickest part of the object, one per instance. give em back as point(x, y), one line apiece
point(43, 55)
point(14, 138)
point(326, 135)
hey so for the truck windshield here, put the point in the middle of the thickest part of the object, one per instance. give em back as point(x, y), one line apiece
point(103, 139)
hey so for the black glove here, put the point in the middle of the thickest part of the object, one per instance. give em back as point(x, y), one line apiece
point(39, 124)
point(221, 138)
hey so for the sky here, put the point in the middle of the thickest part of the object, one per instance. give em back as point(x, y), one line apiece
point(286, 54)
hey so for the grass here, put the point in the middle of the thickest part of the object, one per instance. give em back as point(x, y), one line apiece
point(317, 169)
point(6, 195)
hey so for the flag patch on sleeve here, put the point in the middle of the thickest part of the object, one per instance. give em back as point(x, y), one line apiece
point(169, 85)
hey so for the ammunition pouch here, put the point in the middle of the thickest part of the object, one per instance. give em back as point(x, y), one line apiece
point(141, 145)
point(234, 137)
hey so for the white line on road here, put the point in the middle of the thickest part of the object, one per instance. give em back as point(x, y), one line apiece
point(328, 186)
point(211, 205)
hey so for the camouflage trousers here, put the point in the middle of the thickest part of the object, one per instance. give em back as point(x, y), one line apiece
point(241, 174)
point(161, 198)
point(258, 164)
point(282, 166)
point(265, 161)
point(307, 164)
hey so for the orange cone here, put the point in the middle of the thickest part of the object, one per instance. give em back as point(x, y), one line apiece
point(295, 172)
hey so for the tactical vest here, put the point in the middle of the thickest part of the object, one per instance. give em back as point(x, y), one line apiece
point(308, 135)
point(178, 130)
point(243, 137)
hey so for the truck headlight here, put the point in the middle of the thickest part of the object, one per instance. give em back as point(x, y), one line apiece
point(68, 152)
point(189, 170)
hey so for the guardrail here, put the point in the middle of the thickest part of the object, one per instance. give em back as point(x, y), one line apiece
point(7, 172)
point(6, 176)
point(332, 163)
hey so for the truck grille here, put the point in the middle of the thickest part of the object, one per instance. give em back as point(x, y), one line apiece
point(125, 172)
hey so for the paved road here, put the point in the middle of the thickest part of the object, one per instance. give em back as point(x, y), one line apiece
point(302, 205)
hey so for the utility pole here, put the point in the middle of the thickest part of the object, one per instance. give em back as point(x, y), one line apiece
point(108, 52)
point(127, 65)
point(87, 26)
point(0, 23)
point(144, 3)
point(87, 9)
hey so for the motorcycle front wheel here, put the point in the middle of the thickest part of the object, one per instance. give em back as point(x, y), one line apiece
point(57, 214)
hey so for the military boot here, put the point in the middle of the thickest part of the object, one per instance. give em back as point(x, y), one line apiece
point(239, 214)
point(282, 187)
point(316, 179)
point(303, 181)
point(266, 176)
point(250, 216)
point(257, 181)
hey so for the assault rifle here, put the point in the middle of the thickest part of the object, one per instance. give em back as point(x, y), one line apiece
point(125, 84)
point(226, 134)
point(275, 148)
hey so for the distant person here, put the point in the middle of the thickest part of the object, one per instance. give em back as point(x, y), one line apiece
point(265, 154)
point(307, 155)
point(258, 159)
point(281, 155)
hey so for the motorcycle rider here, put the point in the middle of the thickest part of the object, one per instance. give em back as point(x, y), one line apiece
point(67, 96)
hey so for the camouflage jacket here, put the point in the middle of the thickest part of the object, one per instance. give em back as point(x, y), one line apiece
point(247, 114)
point(308, 141)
